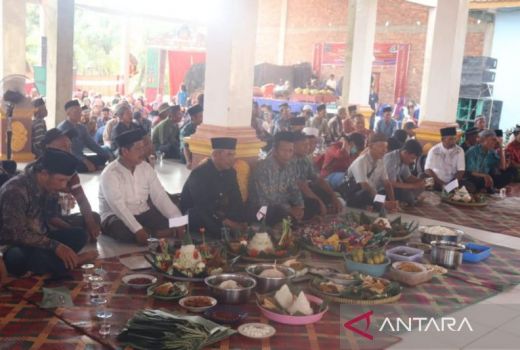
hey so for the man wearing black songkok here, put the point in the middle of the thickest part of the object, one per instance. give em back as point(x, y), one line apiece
point(23, 227)
point(211, 196)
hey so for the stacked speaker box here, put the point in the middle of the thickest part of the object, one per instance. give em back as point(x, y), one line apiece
point(478, 76)
point(476, 92)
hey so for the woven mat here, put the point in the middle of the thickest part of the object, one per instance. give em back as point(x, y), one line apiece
point(500, 215)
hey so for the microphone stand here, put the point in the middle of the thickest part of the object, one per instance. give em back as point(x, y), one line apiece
point(10, 109)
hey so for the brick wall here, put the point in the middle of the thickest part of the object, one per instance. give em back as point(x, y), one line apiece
point(314, 21)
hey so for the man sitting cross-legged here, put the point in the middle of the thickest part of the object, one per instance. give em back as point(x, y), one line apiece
point(211, 195)
point(367, 177)
point(407, 187)
point(23, 227)
point(125, 187)
point(57, 139)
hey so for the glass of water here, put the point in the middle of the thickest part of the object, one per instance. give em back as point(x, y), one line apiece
point(88, 271)
point(96, 290)
point(104, 316)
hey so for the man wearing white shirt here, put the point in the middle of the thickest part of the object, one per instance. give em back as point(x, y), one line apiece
point(445, 161)
point(125, 187)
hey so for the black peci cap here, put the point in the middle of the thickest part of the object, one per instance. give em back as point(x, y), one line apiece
point(224, 143)
point(130, 137)
point(451, 131)
point(71, 103)
point(59, 162)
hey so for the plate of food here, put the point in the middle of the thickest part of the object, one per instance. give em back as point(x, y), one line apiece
point(301, 269)
point(256, 330)
point(364, 290)
point(225, 314)
point(287, 307)
point(139, 280)
point(197, 303)
point(189, 262)
point(264, 246)
point(462, 197)
point(342, 234)
point(168, 291)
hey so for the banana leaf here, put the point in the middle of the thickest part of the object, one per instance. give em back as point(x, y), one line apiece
point(156, 329)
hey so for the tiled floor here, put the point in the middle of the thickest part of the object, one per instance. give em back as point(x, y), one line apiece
point(490, 333)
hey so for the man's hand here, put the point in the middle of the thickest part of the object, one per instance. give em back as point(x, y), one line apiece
point(488, 180)
point(297, 213)
point(93, 229)
point(420, 185)
point(392, 206)
point(141, 237)
point(67, 255)
point(91, 167)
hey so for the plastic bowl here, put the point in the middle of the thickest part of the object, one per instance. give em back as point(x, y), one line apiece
point(413, 254)
point(295, 320)
point(376, 270)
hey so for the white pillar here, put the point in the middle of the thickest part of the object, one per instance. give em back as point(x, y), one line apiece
point(12, 21)
point(125, 54)
point(283, 30)
point(59, 15)
point(230, 59)
point(361, 29)
point(228, 91)
point(443, 57)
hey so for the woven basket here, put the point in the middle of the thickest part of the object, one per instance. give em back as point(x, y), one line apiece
point(355, 301)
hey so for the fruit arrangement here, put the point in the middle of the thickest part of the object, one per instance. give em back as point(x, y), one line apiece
point(368, 256)
point(264, 245)
point(189, 260)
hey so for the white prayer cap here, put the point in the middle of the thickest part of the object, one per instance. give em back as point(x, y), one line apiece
point(309, 131)
point(307, 108)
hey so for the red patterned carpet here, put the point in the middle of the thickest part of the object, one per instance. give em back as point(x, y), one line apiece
point(500, 215)
point(23, 325)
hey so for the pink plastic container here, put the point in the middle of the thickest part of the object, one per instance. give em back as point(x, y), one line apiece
point(296, 320)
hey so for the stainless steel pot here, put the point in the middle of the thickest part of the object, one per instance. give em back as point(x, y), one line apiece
point(231, 296)
point(427, 238)
point(447, 254)
point(269, 284)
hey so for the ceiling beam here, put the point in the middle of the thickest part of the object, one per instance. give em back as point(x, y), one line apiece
point(484, 5)
point(428, 3)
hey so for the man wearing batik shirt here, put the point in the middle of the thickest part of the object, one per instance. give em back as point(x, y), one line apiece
point(38, 127)
point(32, 246)
point(445, 161)
point(317, 193)
point(87, 219)
point(274, 184)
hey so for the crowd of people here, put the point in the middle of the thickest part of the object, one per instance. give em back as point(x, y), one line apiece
point(314, 165)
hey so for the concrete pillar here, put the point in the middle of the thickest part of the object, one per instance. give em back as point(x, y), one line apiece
point(12, 21)
point(283, 29)
point(488, 36)
point(446, 35)
point(230, 58)
point(59, 15)
point(361, 29)
point(125, 54)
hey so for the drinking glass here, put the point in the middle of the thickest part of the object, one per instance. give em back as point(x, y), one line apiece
point(96, 290)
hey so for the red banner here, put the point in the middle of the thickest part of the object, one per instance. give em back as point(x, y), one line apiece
point(384, 55)
point(179, 63)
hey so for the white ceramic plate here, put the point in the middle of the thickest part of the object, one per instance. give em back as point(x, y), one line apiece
point(183, 301)
point(268, 330)
point(128, 278)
